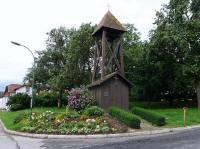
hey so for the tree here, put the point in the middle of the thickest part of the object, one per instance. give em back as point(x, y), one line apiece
point(138, 67)
point(192, 66)
point(65, 63)
point(80, 55)
point(171, 46)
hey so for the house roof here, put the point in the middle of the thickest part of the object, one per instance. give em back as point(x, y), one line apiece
point(109, 21)
point(11, 89)
point(20, 87)
point(108, 77)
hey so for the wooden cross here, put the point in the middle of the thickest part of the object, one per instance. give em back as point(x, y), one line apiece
point(108, 6)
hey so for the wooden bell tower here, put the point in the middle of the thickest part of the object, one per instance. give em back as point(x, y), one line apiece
point(108, 54)
point(109, 85)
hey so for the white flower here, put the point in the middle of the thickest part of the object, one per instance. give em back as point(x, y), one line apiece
point(88, 120)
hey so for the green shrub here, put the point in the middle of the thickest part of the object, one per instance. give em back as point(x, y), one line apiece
point(47, 99)
point(149, 116)
point(72, 114)
point(93, 111)
point(126, 117)
point(15, 107)
point(19, 101)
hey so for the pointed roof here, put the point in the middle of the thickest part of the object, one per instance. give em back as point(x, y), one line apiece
point(109, 21)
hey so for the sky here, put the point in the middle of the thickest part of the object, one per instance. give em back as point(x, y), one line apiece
point(28, 21)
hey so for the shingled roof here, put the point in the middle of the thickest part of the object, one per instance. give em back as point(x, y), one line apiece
point(109, 21)
point(108, 77)
point(11, 89)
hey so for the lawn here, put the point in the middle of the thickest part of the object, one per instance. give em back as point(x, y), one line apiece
point(174, 117)
point(8, 117)
point(174, 114)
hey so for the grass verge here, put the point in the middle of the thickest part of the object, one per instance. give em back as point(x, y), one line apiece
point(174, 115)
point(8, 117)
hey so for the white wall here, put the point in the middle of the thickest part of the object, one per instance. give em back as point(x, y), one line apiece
point(24, 90)
point(3, 102)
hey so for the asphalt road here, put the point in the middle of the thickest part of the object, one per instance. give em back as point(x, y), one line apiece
point(189, 139)
point(182, 140)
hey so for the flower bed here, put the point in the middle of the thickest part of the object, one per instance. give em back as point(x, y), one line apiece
point(63, 123)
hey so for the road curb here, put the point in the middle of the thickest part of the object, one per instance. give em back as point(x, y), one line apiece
point(132, 134)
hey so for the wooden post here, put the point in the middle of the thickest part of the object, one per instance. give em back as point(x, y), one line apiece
point(95, 62)
point(103, 54)
point(185, 109)
point(122, 59)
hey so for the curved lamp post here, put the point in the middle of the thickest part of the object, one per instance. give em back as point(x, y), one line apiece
point(33, 81)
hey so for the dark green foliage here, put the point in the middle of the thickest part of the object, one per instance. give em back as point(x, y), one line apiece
point(19, 101)
point(133, 59)
point(172, 52)
point(149, 116)
point(126, 117)
point(94, 111)
point(16, 107)
point(47, 99)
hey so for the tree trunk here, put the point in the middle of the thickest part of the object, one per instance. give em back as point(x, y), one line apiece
point(170, 102)
point(198, 95)
point(60, 98)
point(149, 102)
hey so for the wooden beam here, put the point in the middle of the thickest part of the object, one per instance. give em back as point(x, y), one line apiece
point(97, 59)
point(121, 50)
point(114, 56)
point(103, 42)
point(95, 62)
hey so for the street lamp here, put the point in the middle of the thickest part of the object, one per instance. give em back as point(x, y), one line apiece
point(33, 81)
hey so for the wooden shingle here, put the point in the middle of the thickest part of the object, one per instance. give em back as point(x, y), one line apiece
point(110, 22)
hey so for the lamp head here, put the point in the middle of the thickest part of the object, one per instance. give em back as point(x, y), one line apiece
point(15, 43)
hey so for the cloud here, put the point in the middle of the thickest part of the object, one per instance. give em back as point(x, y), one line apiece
point(27, 22)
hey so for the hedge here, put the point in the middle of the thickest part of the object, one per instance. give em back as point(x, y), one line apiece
point(149, 116)
point(19, 101)
point(125, 117)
